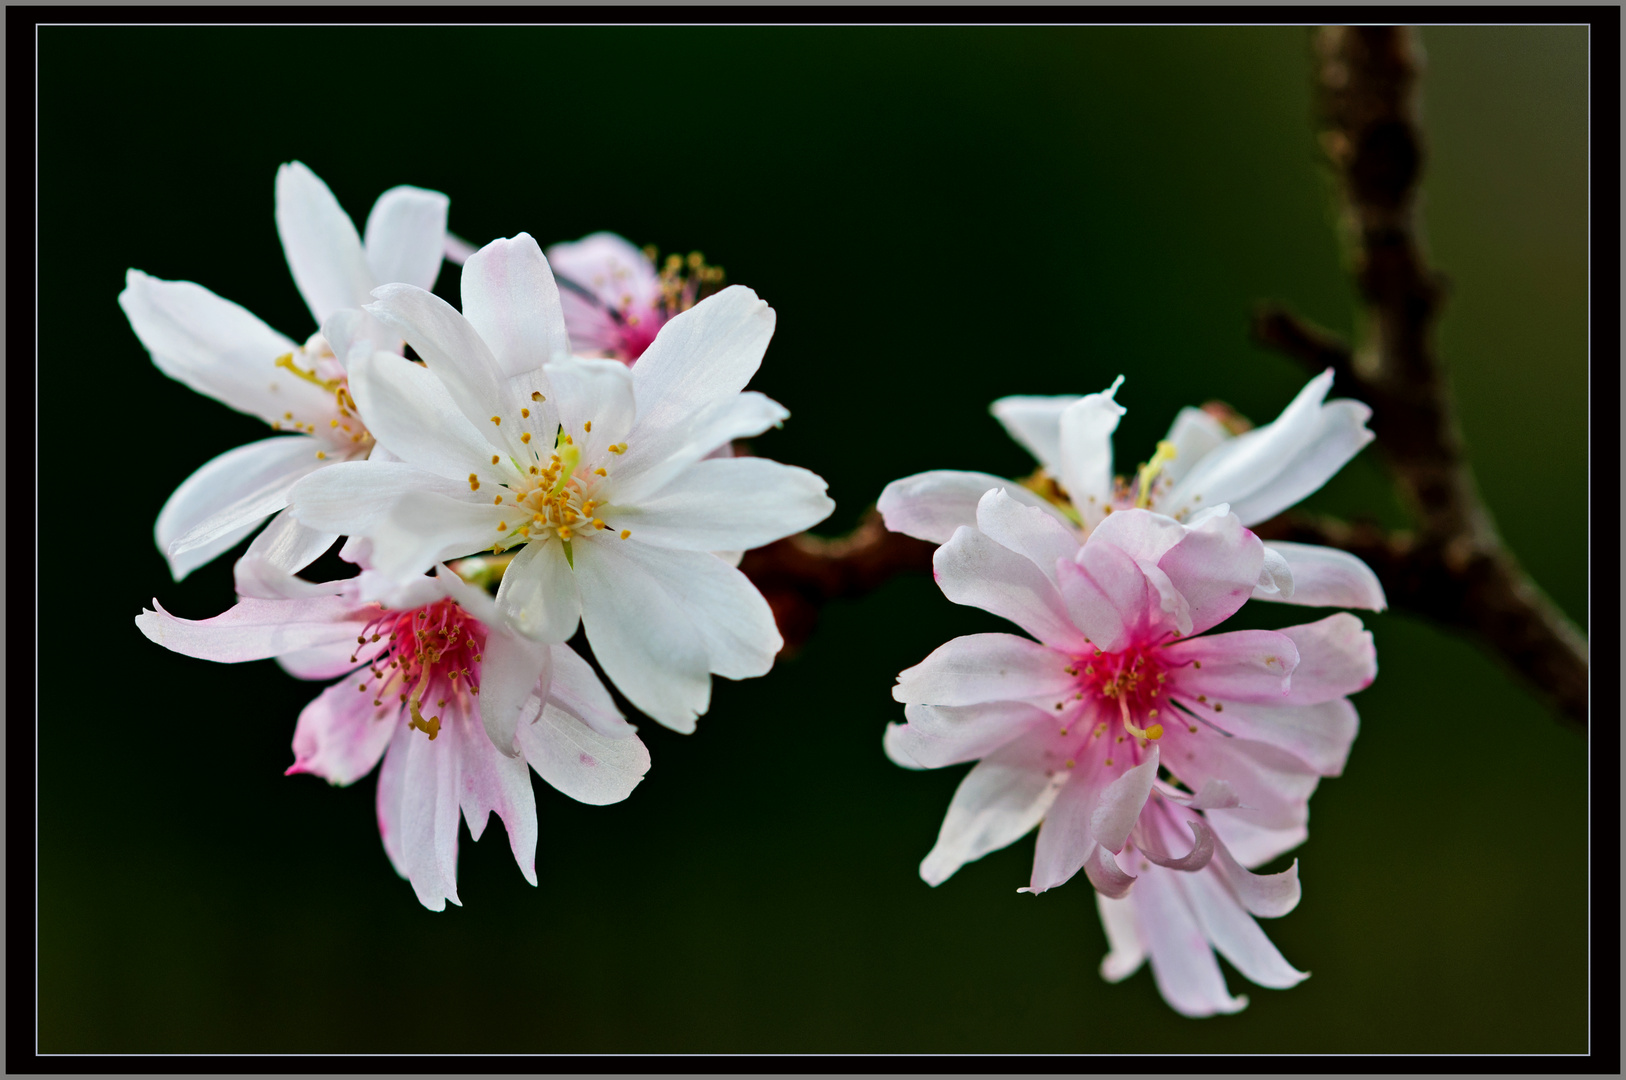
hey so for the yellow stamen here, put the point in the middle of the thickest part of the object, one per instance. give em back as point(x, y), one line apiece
point(625, 533)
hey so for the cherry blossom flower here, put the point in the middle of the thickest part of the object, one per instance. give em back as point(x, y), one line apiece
point(598, 472)
point(614, 299)
point(1104, 726)
point(432, 680)
point(1198, 464)
point(220, 349)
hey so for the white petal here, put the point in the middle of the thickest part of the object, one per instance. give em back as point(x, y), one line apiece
point(985, 667)
point(511, 299)
point(1327, 577)
point(1026, 530)
point(405, 236)
point(1194, 434)
point(897, 741)
point(358, 497)
point(321, 244)
point(998, 803)
point(1035, 423)
point(972, 569)
point(1086, 448)
point(1234, 933)
point(931, 505)
point(654, 457)
point(700, 356)
point(1264, 471)
point(1266, 895)
point(1275, 578)
point(510, 673)
point(1126, 953)
point(731, 620)
point(948, 735)
point(1253, 843)
point(424, 528)
point(257, 629)
point(580, 762)
point(726, 503)
point(576, 690)
point(596, 393)
point(429, 811)
point(492, 782)
point(241, 487)
point(218, 349)
point(538, 593)
point(287, 545)
point(457, 355)
point(1064, 839)
point(410, 411)
point(1183, 965)
point(642, 637)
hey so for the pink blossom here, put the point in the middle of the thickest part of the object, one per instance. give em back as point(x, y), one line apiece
point(615, 300)
point(434, 682)
point(1101, 730)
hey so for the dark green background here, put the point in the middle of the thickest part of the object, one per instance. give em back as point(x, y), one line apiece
point(940, 217)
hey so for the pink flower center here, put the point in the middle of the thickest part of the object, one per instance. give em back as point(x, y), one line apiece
point(432, 653)
point(1129, 682)
point(342, 428)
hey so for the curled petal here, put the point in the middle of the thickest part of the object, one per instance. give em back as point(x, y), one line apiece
point(1202, 848)
point(1105, 874)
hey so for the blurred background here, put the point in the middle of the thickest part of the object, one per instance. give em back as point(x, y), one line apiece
point(940, 217)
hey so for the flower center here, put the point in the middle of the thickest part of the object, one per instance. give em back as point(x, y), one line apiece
point(1130, 682)
point(315, 363)
point(431, 654)
point(553, 494)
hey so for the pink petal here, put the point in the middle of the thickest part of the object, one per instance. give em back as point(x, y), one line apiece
point(258, 629)
point(1126, 951)
point(1234, 934)
point(1121, 802)
point(1183, 965)
point(971, 569)
point(1252, 843)
point(985, 667)
point(937, 735)
point(341, 735)
point(428, 810)
point(1105, 874)
point(998, 802)
point(1274, 786)
point(1318, 735)
point(1215, 566)
point(1265, 895)
point(492, 782)
point(1327, 577)
point(1202, 848)
point(931, 505)
point(1026, 530)
point(1336, 658)
point(1243, 665)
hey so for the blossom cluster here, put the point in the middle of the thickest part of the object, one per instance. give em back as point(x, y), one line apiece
point(557, 454)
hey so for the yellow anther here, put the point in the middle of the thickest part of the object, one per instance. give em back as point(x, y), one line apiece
point(497, 501)
point(625, 533)
point(332, 423)
point(536, 395)
point(474, 482)
point(1071, 763)
point(495, 459)
point(497, 420)
point(598, 523)
point(568, 440)
point(525, 413)
point(502, 526)
point(565, 533)
point(588, 426)
point(321, 455)
point(287, 416)
point(618, 448)
point(1154, 732)
point(525, 437)
point(600, 472)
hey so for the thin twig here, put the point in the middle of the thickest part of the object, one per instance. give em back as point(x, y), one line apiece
point(1455, 568)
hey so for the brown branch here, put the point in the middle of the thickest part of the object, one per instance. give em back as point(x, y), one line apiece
point(800, 574)
point(1455, 568)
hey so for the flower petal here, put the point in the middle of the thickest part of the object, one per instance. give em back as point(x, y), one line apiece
point(595, 399)
point(1026, 530)
point(512, 301)
point(1215, 567)
point(1194, 434)
point(1065, 843)
point(700, 356)
point(341, 735)
point(1319, 735)
point(286, 545)
point(655, 457)
point(998, 802)
point(1125, 950)
point(1251, 842)
point(510, 673)
point(410, 411)
point(1183, 965)
point(1234, 933)
point(490, 781)
point(254, 629)
point(241, 488)
point(1086, 450)
point(428, 810)
point(1107, 594)
point(731, 620)
point(727, 503)
point(538, 593)
point(1274, 786)
point(641, 635)
point(1035, 423)
point(609, 267)
point(1202, 847)
point(1336, 657)
point(931, 505)
point(985, 667)
point(1268, 469)
point(576, 690)
point(579, 761)
point(971, 569)
point(1120, 804)
point(1109, 879)
point(218, 348)
point(948, 735)
point(405, 237)
point(1327, 577)
point(1266, 895)
point(1242, 665)
point(321, 244)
